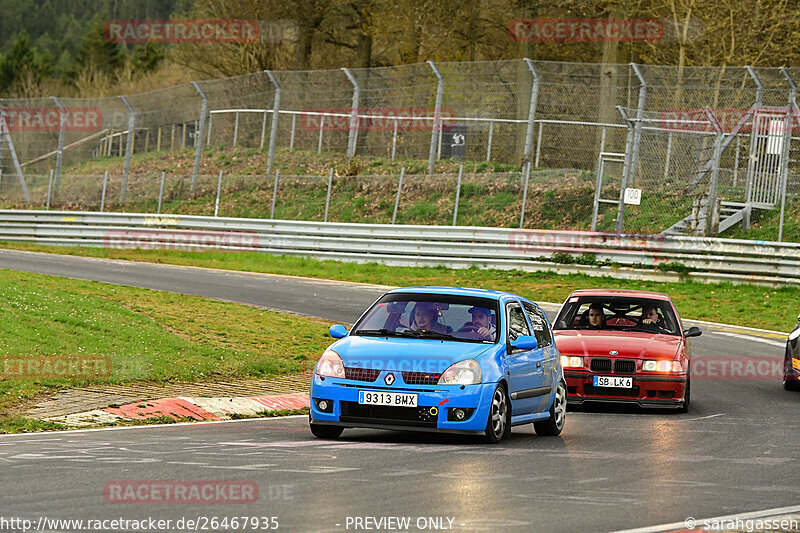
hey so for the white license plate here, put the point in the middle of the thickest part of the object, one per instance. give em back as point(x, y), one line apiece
point(397, 399)
point(613, 381)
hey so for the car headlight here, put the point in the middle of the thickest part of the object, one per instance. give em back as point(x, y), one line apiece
point(571, 361)
point(462, 373)
point(330, 365)
point(651, 365)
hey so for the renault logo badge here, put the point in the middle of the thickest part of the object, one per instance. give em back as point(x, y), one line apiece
point(389, 379)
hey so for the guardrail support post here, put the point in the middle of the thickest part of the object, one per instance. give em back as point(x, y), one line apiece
point(198, 135)
point(273, 129)
point(328, 195)
point(532, 114)
point(103, 197)
point(458, 193)
point(352, 138)
point(525, 193)
point(397, 199)
point(128, 148)
point(274, 194)
point(437, 116)
point(161, 191)
point(219, 188)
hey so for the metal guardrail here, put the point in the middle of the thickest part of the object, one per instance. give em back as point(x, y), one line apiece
point(408, 245)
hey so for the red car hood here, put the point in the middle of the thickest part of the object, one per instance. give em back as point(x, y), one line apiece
point(629, 344)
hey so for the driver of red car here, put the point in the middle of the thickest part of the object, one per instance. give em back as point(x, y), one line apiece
point(597, 317)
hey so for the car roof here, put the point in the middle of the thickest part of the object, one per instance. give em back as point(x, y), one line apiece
point(458, 291)
point(620, 292)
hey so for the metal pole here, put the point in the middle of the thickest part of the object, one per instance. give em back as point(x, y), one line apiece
point(103, 197)
point(161, 192)
point(208, 134)
point(489, 142)
point(319, 143)
point(532, 115)
point(62, 123)
point(158, 143)
point(328, 195)
point(128, 149)
point(274, 194)
point(219, 187)
point(625, 170)
point(291, 139)
point(538, 145)
point(394, 139)
point(525, 194)
point(669, 152)
point(397, 199)
point(753, 155)
point(198, 138)
point(637, 133)
point(458, 193)
point(236, 128)
point(5, 133)
point(597, 188)
point(787, 141)
point(263, 133)
point(352, 138)
point(437, 116)
point(273, 129)
point(49, 188)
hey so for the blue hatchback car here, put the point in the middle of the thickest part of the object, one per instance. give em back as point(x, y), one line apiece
point(449, 359)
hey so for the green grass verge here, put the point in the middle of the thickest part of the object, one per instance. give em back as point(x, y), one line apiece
point(146, 335)
point(745, 305)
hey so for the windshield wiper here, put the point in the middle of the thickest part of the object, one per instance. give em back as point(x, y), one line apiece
point(383, 332)
point(427, 334)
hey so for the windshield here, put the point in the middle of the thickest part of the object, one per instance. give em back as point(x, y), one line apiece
point(433, 316)
point(618, 313)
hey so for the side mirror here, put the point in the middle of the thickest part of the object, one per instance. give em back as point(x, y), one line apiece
point(338, 331)
point(524, 343)
point(693, 331)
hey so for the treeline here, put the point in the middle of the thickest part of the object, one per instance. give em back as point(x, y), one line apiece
point(61, 41)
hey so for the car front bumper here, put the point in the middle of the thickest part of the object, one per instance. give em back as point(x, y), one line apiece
point(647, 390)
point(434, 402)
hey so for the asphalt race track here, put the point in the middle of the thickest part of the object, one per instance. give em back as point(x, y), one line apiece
point(611, 469)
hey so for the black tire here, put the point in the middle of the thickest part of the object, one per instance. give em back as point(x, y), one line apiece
point(687, 398)
point(558, 414)
point(793, 386)
point(325, 432)
point(498, 422)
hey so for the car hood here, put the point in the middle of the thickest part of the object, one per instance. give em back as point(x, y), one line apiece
point(414, 355)
point(628, 344)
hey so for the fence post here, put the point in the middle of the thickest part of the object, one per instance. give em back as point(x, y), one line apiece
point(5, 133)
point(328, 195)
point(352, 138)
point(397, 199)
point(625, 166)
point(219, 187)
point(208, 129)
point(128, 148)
point(103, 197)
point(198, 136)
point(669, 153)
point(394, 139)
point(291, 139)
point(710, 212)
point(161, 192)
point(49, 189)
point(489, 142)
point(532, 115)
point(525, 193)
point(787, 141)
point(62, 120)
point(321, 124)
point(273, 129)
point(538, 145)
point(637, 128)
point(458, 194)
point(274, 194)
point(437, 116)
point(236, 127)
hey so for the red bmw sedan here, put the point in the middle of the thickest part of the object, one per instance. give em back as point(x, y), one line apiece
point(624, 346)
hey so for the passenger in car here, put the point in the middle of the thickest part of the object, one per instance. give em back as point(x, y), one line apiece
point(426, 317)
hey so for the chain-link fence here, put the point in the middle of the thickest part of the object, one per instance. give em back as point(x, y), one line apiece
point(697, 147)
